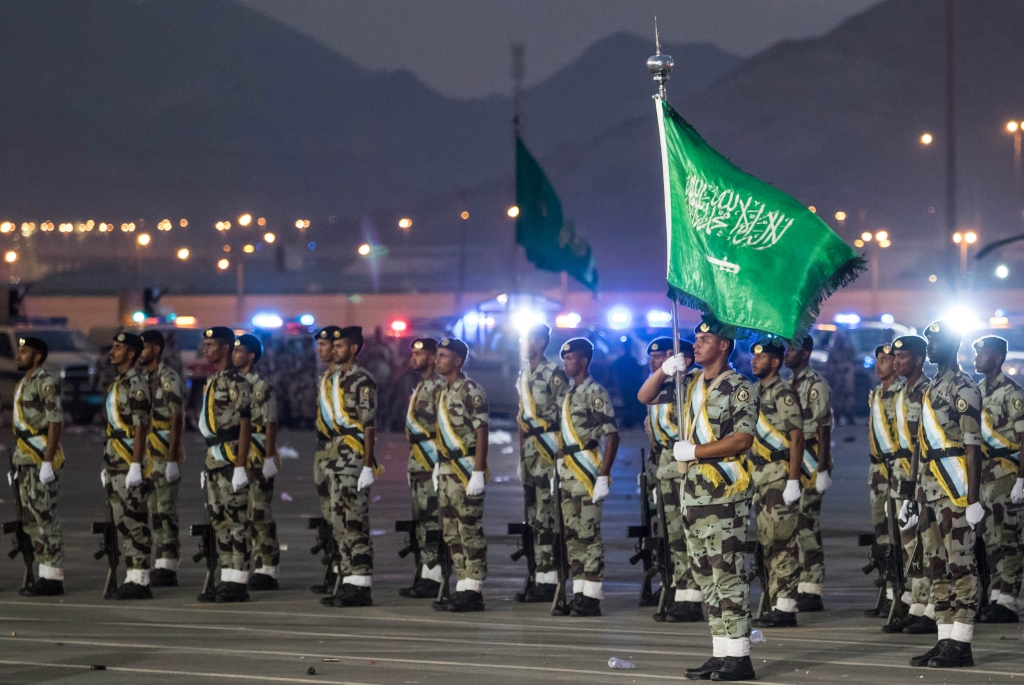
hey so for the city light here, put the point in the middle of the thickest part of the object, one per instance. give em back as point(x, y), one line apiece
point(523, 319)
point(245, 220)
point(143, 239)
point(570, 320)
point(866, 237)
point(164, 225)
point(971, 237)
point(183, 253)
point(513, 211)
point(405, 223)
point(503, 298)
point(887, 318)
point(1012, 127)
point(1002, 271)
point(399, 326)
point(364, 249)
point(858, 243)
point(223, 264)
point(269, 237)
point(840, 216)
point(962, 318)
point(138, 317)
point(261, 221)
point(10, 256)
point(926, 139)
point(307, 320)
point(882, 236)
point(464, 215)
point(265, 320)
point(957, 238)
point(222, 225)
point(302, 223)
point(812, 209)
point(658, 318)
point(183, 223)
point(847, 319)
point(933, 278)
point(619, 317)
point(999, 321)
point(248, 248)
point(185, 321)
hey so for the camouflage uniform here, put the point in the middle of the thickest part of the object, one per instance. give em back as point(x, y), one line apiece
point(587, 417)
point(326, 432)
point(950, 420)
point(541, 392)
point(165, 388)
point(227, 400)
point(462, 409)
point(421, 431)
point(1002, 426)
point(908, 421)
point(128, 407)
point(779, 414)
point(716, 498)
point(36, 405)
point(354, 394)
point(882, 446)
point(816, 401)
point(265, 547)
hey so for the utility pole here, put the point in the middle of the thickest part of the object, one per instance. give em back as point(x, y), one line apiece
point(951, 206)
point(518, 74)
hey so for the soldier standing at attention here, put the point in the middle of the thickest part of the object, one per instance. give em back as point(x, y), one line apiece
point(587, 418)
point(815, 472)
point(776, 455)
point(350, 472)
point(326, 432)
point(165, 456)
point(719, 421)
point(1002, 479)
point(461, 474)
point(541, 387)
point(37, 418)
point(264, 463)
point(421, 430)
point(225, 423)
point(659, 394)
point(127, 485)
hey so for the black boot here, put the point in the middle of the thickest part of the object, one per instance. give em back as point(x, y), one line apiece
point(997, 613)
point(922, 626)
point(326, 587)
point(133, 591)
point(923, 659)
point(776, 619)
point(44, 587)
point(259, 582)
point(881, 612)
point(735, 668)
point(163, 577)
point(465, 601)
point(353, 596)
point(232, 592)
point(685, 612)
point(424, 588)
point(588, 606)
point(704, 671)
point(901, 625)
point(211, 595)
point(808, 602)
point(542, 592)
point(954, 654)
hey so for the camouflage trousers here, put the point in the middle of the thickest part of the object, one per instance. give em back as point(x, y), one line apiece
point(229, 518)
point(715, 537)
point(682, 574)
point(462, 519)
point(349, 515)
point(324, 454)
point(776, 531)
point(878, 493)
point(265, 549)
point(582, 520)
point(39, 515)
point(808, 538)
point(540, 506)
point(1001, 531)
point(948, 543)
point(425, 514)
point(920, 588)
point(163, 510)
point(131, 516)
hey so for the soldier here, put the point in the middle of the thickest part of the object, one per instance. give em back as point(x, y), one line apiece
point(127, 482)
point(264, 463)
point(326, 432)
point(719, 421)
point(165, 454)
point(350, 470)
point(1002, 478)
point(776, 456)
point(461, 474)
point(541, 387)
point(37, 419)
point(659, 394)
point(421, 431)
point(225, 423)
point(587, 417)
point(947, 470)
point(815, 472)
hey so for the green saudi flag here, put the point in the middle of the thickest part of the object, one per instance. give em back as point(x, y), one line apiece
point(550, 241)
point(740, 249)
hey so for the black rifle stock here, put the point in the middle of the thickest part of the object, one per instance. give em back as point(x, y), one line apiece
point(327, 547)
point(109, 548)
point(208, 551)
point(560, 606)
point(444, 559)
point(665, 564)
point(412, 545)
point(895, 573)
point(525, 549)
point(984, 572)
point(22, 542)
point(759, 570)
point(641, 533)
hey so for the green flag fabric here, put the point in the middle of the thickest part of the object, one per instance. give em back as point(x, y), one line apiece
point(740, 249)
point(550, 241)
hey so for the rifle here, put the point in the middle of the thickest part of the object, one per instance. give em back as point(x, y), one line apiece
point(560, 607)
point(524, 548)
point(412, 545)
point(984, 572)
point(877, 559)
point(109, 548)
point(444, 558)
point(326, 544)
point(207, 550)
point(895, 573)
point(22, 542)
point(640, 534)
point(759, 570)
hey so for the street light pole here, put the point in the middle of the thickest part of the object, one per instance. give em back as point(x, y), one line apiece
point(951, 206)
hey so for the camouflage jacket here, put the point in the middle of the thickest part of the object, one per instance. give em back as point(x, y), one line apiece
point(1002, 424)
point(882, 440)
point(587, 417)
point(264, 411)
point(816, 402)
point(779, 413)
point(354, 399)
point(227, 400)
point(462, 409)
point(128, 405)
point(950, 420)
point(325, 428)
point(165, 388)
point(421, 424)
point(539, 407)
point(36, 405)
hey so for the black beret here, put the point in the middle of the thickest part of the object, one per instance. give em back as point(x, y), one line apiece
point(992, 343)
point(807, 344)
point(222, 333)
point(769, 345)
point(540, 330)
point(37, 344)
point(581, 345)
point(351, 333)
point(914, 344)
point(428, 344)
point(942, 329)
point(153, 337)
point(456, 347)
point(885, 349)
point(129, 339)
point(709, 324)
point(329, 333)
point(251, 343)
point(665, 345)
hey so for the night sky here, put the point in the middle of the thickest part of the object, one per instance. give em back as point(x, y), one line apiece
point(461, 47)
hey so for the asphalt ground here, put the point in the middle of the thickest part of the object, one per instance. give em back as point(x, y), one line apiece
point(278, 636)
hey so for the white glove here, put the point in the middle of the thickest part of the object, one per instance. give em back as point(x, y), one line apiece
point(684, 450)
point(46, 473)
point(10, 478)
point(791, 495)
point(134, 477)
point(365, 479)
point(908, 515)
point(975, 513)
point(558, 465)
point(269, 467)
point(476, 484)
point(239, 479)
point(823, 482)
point(673, 365)
point(103, 477)
point(436, 477)
point(600, 489)
point(1017, 494)
point(408, 478)
point(202, 480)
point(173, 473)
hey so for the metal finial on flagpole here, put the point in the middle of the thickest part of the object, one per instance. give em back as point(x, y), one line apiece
point(659, 65)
